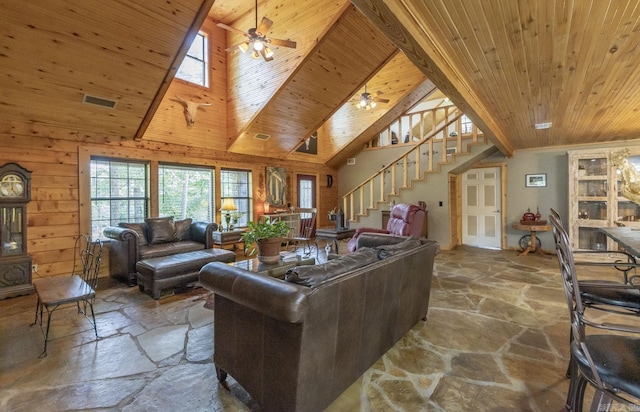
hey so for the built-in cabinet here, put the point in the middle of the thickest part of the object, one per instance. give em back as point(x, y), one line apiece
point(595, 198)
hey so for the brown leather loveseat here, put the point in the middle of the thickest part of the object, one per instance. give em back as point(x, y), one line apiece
point(296, 345)
point(155, 237)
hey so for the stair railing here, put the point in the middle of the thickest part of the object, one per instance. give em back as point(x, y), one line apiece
point(413, 165)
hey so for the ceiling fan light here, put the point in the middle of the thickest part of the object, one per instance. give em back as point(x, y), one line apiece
point(258, 45)
point(255, 54)
point(373, 104)
point(268, 53)
point(243, 47)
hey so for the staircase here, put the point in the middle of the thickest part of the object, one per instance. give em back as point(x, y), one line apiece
point(445, 139)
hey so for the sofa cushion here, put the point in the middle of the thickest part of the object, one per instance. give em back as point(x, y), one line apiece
point(183, 229)
point(386, 251)
point(161, 230)
point(313, 275)
point(139, 229)
point(166, 249)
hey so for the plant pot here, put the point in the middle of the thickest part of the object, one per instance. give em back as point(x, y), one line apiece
point(269, 250)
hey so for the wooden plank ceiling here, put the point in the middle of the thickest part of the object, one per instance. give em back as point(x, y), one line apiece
point(507, 64)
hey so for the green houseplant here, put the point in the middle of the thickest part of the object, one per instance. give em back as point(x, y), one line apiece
point(267, 235)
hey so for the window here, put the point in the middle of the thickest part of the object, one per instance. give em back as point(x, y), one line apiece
point(466, 125)
point(194, 67)
point(118, 193)
point(236, 185)
point(186, 192)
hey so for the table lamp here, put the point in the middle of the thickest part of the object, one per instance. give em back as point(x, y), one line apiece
point(228, 206)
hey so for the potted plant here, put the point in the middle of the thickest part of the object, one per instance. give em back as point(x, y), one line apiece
point(267, 235)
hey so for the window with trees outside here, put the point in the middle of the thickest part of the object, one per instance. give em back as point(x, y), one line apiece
point(119, 193)
point(186, 192)
point(236, 185)
point(194, 67)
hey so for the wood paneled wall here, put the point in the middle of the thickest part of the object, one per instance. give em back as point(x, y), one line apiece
point(60, 204)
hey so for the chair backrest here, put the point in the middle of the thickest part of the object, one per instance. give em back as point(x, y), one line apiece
point(87, 258)
point(307, 222)
point(572, 291)
point(406, 219)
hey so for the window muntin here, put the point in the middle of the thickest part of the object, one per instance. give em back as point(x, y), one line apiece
point(194, 67)
point(237, 185)
point(186, 192)
point(465, 124)
point(119, 193)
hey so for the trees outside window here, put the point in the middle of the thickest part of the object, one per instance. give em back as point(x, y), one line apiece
point(237, 185)
point(186, 192)
point(119, 193)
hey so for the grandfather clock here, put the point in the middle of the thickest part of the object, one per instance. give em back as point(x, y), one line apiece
point(15, 263)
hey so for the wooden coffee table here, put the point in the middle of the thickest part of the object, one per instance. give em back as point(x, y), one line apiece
point(276, 270)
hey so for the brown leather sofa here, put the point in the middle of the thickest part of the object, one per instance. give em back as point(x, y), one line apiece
point(155, 237)
point(298, 346)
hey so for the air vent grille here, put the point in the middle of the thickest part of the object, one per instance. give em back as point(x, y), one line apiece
point(99, 101)
point(262, 136)
point(351, 161)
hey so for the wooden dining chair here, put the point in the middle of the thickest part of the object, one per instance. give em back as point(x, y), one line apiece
point(79, 288)
point(610, 362)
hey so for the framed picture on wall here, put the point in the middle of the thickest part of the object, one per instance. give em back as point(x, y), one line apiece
point(535, 180)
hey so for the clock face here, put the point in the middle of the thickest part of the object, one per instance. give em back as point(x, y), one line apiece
point(11, 185)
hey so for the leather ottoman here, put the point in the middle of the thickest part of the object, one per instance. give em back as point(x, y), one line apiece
point(159, 273)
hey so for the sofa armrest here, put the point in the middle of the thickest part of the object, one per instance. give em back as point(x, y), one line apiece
point(287, 302)
point(120, 233)
point(203, 232)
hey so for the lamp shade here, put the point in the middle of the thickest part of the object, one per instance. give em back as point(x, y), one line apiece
point(228, 205)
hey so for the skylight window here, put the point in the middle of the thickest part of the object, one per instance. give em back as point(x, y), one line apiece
point(194, 67)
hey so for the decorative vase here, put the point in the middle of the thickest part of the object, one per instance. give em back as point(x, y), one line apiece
point(269, 250)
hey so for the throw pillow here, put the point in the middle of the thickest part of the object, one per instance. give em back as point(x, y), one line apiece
point(139, 229)
point(313, 275)
point(183, 229)
point(390, 250)
point(161, 230)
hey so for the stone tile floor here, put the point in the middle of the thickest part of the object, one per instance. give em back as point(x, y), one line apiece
point(496, 339)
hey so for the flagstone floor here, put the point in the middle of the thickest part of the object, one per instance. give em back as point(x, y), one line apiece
point(496, 339)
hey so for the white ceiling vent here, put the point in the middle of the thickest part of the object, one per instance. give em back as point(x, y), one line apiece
point(99, 101)
point(262, 136)
point(542, 126)
point(351, 160)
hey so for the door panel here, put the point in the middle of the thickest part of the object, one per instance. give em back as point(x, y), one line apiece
point(481, 223)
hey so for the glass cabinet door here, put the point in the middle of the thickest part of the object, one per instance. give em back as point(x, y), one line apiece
point(11, 231)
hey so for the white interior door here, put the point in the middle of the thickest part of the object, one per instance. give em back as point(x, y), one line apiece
point(481, 222)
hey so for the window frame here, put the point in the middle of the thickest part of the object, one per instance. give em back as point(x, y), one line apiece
point(212, 191)
point(243, 203)
point(114, 220)
point(202, 63)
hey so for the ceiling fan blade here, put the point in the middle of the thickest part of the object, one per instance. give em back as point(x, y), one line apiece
point(264, 26)
point(236, 47)
point(379, 100)
point(233, 29)
point(284, 43)
point(266, 58)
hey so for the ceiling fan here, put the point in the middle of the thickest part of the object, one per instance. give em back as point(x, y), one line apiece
point(367, 101)
point(258, 41)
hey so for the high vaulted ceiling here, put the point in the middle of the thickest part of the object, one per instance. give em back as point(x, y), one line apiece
point(508, 64)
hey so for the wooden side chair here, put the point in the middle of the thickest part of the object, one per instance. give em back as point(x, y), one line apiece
point(307, 228)
point(79, 288)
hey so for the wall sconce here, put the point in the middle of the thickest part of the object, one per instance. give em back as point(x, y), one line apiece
point(266, 208)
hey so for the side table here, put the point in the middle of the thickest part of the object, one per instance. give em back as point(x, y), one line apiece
point(229, 237)
point(533, 244)
point(332, 235)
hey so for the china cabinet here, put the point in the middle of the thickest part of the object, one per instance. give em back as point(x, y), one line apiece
point(15, 262)
point(595, 198)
